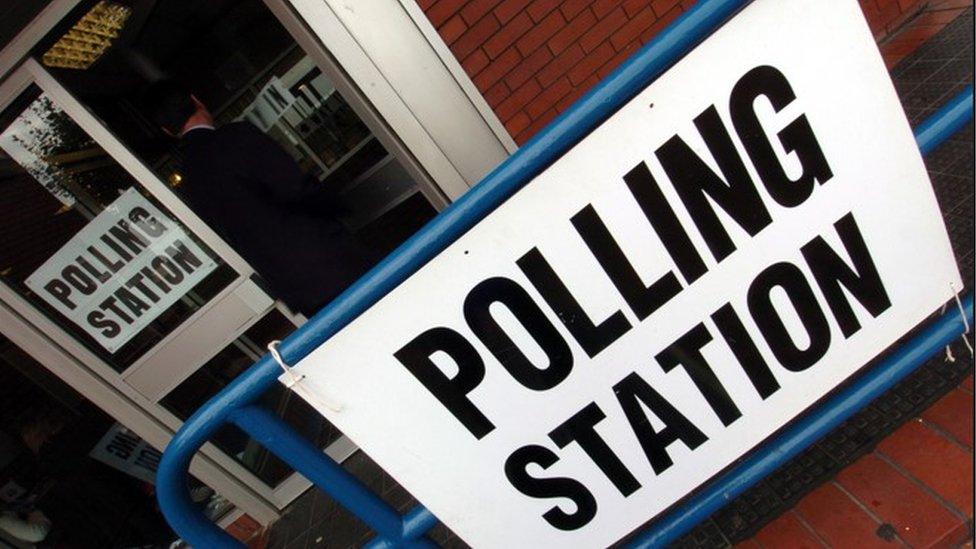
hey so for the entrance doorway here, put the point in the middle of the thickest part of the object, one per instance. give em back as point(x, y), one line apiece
point(102, 256)
point(243, 64)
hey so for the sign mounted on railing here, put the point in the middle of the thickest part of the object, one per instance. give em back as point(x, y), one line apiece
point(726, 249)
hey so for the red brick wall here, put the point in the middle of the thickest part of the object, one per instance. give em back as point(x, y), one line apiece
point(532, 58)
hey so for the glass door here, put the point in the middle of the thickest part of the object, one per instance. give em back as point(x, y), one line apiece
point(101, 256)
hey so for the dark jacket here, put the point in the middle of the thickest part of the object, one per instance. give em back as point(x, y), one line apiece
point(282, 222)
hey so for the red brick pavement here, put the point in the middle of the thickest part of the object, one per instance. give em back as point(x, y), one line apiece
point(915, 489)
point(918, 27)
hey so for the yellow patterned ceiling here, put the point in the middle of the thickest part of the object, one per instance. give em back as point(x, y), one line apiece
point(89, 38)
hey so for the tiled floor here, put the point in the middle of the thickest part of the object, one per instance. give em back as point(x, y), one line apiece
point(909, 35)
point(915, 486)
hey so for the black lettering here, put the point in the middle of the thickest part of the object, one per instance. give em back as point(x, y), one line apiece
point(160, 284)
point(516, 469)
point(581, 429)
point(119, 451)
point(115, 247)
point(78, 279)
point(137, 282)
point(123, 440)
point(642, 300)
point(165, 268)
point(695, 183)
point(789, 277)
point(797, 136)
point(737, 338)
point(686, 352)
point(508, 293)
point(124, 233)
point(60, 290)
point(111, 305)
point(148, 458)
point(109, 328)
point(593, 338)
point(147, 222)
point(451, 392)
point(183, 257)
point(831, 272)
point(135, 305)
point(113, 266)
point(631, 391)
point(101, 276)
point(658, 211)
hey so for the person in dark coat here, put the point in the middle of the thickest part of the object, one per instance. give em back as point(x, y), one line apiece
point(253, 193)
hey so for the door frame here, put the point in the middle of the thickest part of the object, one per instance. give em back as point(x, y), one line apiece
point(406, 85)
point(227, 476)
point(128, 410)
point(387, 104)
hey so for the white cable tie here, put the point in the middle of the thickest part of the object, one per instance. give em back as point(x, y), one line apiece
point(294, 379)
point(965, 321)
point(949, 356)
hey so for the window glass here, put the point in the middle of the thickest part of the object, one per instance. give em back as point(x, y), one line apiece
point(86, 244)
point(221, 370)
point(237, 59)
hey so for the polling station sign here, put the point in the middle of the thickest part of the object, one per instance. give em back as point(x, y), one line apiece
point(726, 249)
point(124, 451)
point(121, 270)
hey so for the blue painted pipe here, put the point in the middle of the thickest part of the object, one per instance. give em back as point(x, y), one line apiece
point(295, 450)
point(945, 122)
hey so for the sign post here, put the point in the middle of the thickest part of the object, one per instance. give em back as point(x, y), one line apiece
point(725, 250)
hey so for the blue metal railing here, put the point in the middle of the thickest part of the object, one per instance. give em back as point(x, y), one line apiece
point(236, 404)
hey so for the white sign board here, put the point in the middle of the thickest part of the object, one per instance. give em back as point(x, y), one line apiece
point(122, 449)
point(122, 269)
point(726, 249)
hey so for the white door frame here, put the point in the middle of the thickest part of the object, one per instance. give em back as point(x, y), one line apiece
point(126, 409)
point(461, 77)
point(384, 53)
point(227, 476)
point(19, 48)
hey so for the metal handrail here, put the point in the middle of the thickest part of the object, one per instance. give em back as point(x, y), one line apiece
point(236, 404)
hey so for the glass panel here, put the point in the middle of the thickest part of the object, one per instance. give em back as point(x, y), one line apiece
point(242, 64)
point(86, 244)
point(221, 370)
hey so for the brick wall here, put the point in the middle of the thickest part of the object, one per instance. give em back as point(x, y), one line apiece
point(531, 59)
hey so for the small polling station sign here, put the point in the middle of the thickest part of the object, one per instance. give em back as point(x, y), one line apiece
point(123, 450)
point(731, 245)
point(121, 270)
